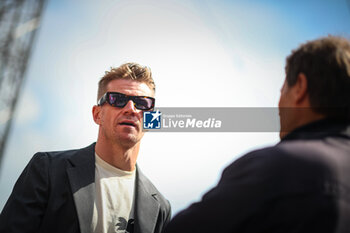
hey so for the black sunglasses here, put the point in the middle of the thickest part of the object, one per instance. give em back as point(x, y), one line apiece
point(119, 100)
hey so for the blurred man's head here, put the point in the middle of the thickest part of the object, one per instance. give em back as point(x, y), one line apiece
point(317, 83)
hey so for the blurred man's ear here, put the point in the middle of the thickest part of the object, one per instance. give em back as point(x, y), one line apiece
point(96, 110)
point(300, 91)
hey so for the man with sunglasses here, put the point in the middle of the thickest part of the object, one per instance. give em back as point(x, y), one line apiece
point(98, 188)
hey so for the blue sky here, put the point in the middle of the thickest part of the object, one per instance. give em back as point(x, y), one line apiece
point(233, 50)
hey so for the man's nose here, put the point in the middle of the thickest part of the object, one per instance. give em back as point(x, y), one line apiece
point(130, 106)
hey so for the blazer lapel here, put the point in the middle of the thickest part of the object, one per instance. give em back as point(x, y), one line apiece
point(146, 206)
point(82, 180)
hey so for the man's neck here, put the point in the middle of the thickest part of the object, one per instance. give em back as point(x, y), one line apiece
point(304, 117)
point(118, 156)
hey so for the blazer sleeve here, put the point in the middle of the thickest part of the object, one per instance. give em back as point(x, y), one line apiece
point(164, 215)
point(167, 220)
point(26, 205)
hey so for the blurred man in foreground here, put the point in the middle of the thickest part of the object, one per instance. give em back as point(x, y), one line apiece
point(98, 188)
point(303, 183)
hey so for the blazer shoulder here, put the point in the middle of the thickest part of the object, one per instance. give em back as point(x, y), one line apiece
point(152, 190)
point(65, 154)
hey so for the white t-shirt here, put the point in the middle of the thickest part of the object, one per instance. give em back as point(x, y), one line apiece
point(114, 197)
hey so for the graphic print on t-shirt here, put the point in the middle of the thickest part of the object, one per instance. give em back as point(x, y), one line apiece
point(123, 226)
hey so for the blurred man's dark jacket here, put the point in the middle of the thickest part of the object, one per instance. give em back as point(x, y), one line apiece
point(300, 185)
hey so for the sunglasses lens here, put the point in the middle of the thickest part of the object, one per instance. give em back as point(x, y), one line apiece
point(143, 103)
point(120, 100)
point(117, 100)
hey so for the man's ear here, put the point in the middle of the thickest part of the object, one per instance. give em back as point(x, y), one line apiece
point(96, 111)
point(300, 90)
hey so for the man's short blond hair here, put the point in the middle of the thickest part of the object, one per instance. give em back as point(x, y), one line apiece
point(128, 71)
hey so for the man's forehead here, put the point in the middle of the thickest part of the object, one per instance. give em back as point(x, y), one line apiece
point(130, 87)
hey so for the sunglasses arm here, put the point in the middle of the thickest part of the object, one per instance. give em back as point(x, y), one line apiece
point(102, 100)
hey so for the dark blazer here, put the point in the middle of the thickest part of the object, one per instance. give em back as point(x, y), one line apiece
point(300, 185)
point(55, 193)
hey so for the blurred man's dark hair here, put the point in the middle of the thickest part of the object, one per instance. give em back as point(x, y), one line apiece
point(326, 65)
